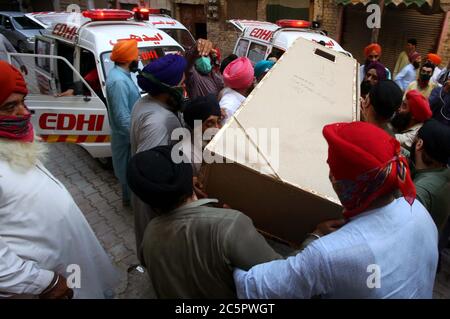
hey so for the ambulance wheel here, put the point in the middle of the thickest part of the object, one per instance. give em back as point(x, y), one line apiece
point(105, 162)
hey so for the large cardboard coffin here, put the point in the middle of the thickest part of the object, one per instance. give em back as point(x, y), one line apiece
point(273, 152)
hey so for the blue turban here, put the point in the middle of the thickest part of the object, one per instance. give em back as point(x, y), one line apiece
point(262, 67)
point(168, 69)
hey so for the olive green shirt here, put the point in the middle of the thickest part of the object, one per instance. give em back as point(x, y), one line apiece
point(433, 191)
point(192, 251)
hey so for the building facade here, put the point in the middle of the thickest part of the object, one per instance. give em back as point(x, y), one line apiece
point(426, 20)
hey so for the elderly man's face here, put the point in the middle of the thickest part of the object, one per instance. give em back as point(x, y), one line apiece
point(14, 106)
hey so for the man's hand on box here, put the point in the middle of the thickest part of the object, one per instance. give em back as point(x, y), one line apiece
point(199, 188)
point(329, 227)
point(57, 289)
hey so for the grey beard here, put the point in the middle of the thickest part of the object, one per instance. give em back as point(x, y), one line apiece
point(22, 156)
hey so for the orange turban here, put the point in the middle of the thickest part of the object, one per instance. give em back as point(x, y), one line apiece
point(372, 47)
point(125, 51)
point(436, 59)
point(11, 81)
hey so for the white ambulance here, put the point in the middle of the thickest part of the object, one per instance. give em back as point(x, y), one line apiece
point(75, 55)
point(260, 40)
point(157, 18)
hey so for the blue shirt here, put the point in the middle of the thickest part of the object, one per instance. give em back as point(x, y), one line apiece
point(407, 75)
point(122, 93)
point(389, 252)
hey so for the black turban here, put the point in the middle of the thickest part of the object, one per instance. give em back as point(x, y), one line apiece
point(157, 180)
point(436, 140)
point(200, 109)
point(386, 97)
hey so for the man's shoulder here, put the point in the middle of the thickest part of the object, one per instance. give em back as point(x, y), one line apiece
point(412, 86)
point(432, 179)
point(226, 215)
point(116, 77)
point(208, 214)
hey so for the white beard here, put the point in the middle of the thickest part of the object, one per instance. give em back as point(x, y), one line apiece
point(22, 156)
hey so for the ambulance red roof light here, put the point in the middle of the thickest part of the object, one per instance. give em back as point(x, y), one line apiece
point(147, 10)
point(293, 23)
point(141, 14)
point(108, 15)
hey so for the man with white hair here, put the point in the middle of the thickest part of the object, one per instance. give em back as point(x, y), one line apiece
point(47, 248)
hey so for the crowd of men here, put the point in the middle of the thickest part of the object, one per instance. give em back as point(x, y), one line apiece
point(390, 172)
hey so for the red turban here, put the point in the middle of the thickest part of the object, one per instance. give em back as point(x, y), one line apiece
point(413, 57)
point(419, 106)
point(436, 59)
point(372, 47)
point(11, 81)
point(239, 74)
point(365, 163)
point(125, 51)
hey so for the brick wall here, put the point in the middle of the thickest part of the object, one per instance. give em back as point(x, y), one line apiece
point(223, 34)
point(327, 12)
point(444, 51)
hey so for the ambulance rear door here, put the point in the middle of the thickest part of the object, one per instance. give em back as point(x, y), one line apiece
point(59, 114)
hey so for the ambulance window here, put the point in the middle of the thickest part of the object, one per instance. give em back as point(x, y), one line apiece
point(43, 47)
point(182, 36)
point(146, 55)
point(241, 48)
point(257, 52)
point(88, 69)
point(276, 53)
point(65, 75)
point(62, 81)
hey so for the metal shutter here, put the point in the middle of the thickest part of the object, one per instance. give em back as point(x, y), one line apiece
point(355, 34)
point(399, 24)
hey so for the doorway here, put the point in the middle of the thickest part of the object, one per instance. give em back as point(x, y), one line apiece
point(193, 17)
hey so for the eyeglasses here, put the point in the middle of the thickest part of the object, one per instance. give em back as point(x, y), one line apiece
point(373, 56)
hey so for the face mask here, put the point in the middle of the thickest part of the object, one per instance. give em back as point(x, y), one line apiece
point(134, 66)
point(203, 65)
point(17, 128)
point(416, 65)
point(425, 77)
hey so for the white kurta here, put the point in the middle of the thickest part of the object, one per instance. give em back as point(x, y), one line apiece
point(230, 102)
point(42, 231)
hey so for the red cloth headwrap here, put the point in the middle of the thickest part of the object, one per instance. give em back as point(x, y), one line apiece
point(11, 81)
point(365, 163)
point(372, 47)
point(14, 127)
point(419, 106)
point(436, 59)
